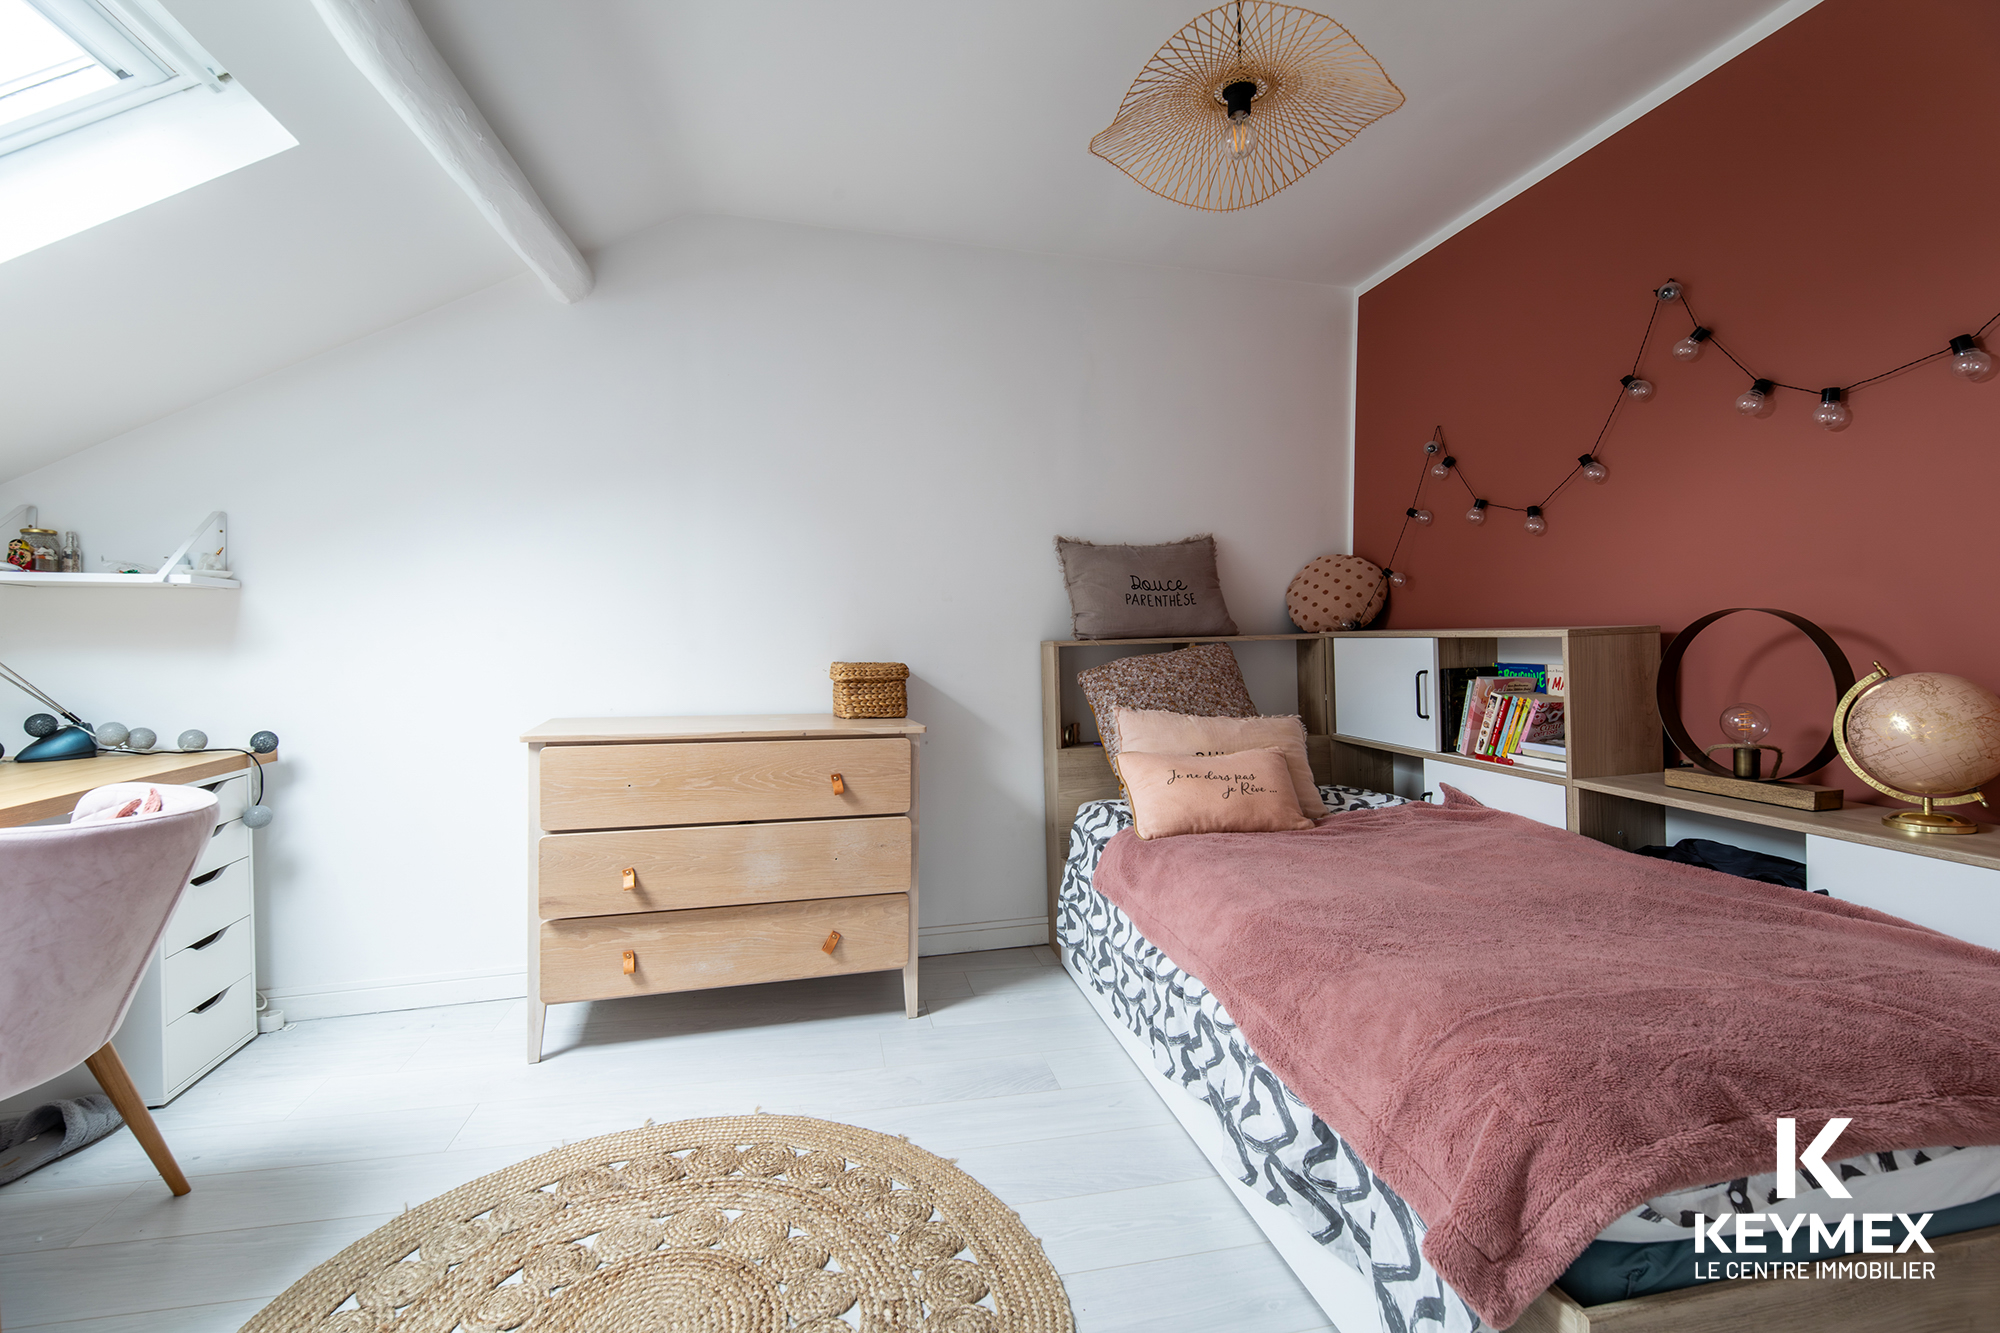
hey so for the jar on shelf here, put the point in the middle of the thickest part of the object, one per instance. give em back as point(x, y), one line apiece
point(42, 541)
point(72, 554)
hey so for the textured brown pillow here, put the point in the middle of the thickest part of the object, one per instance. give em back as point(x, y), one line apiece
point(1203, 680)
point(1151, 731)
point(1246, 792)
point(1142, 592)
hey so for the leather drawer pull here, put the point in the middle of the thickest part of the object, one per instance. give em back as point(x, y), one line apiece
point(631, 878)
point(832, 941)
point(207, 940)
point(631, 963)
point(839, 786)
point(210, 1002)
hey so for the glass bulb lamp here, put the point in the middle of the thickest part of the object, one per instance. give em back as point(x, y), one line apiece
point(1669, 291)
point(1638, 389)
point(1477, 514)
point(1746, 725)
point(1969, 360)
point(1688, 348)
point(1593, 470)
point(1536, 524)
point(1443, 467)
point(1399, 578)
point(1239, 136)
point(1422, 516)
point(1755, 400)
point(1832, 413)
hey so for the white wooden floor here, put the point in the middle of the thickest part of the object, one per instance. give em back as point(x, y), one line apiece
point(311, 1137)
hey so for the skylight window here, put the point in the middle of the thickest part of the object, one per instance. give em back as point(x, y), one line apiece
point(107, 106)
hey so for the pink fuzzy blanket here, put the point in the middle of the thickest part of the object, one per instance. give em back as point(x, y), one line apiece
point(1527, 1033)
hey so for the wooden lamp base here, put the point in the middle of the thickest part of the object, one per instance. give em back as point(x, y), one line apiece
point(1794, 795)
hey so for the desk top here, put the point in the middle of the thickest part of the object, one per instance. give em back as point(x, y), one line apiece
point(30, 792)
point(756, 726)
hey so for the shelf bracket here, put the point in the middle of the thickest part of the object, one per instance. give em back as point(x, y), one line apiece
point(20, 516)
point(216, 523)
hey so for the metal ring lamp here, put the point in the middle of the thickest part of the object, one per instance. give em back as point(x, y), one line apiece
point(1670, 677)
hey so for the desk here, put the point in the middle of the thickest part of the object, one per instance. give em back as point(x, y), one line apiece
point(32, 792)
point(197, 1003)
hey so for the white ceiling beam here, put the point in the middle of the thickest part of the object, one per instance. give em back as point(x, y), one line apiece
point(387, 44)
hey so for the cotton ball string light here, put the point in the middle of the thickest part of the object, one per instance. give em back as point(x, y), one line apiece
point(264, 742)
point(257, 816)
point(112, 734)
point(140, 738)
point(41, 724)
point(193, 740)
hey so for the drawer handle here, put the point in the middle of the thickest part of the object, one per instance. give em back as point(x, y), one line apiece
point(204, 942)
point(210, 1002)
point(631, 963)
point(839, 786)
point(832, 941)
point(631, 878)
point(200, 880)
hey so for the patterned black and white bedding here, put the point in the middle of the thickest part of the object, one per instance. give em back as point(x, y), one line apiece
point(1306, 1168)
point(1302, 1165)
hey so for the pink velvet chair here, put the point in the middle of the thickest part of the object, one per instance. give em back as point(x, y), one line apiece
point(82, 907)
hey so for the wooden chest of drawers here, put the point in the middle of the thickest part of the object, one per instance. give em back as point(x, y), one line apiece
point(677, 854)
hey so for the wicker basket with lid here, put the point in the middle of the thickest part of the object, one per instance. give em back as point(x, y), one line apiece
point(869, 689)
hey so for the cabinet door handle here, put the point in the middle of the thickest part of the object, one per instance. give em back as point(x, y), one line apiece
point(839, 785)
point(631, 878)
point(631, 963)
point(1420, 695)
point(832, 942)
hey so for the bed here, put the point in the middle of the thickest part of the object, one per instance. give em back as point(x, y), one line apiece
point(1357, 1246)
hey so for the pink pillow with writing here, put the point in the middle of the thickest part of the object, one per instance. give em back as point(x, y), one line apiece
point(1249, 791)
point(1155, 731)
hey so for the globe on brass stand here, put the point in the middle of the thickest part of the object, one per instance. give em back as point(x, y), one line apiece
point(1925, 737)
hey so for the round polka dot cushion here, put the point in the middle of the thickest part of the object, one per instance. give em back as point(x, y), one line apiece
point(1334, 592)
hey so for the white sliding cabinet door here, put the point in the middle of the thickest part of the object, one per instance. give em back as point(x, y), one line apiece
point(1387, 690)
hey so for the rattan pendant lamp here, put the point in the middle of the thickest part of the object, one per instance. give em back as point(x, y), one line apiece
point(1243, 101)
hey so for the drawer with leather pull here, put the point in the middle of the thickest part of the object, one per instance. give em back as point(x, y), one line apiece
point(606, 957)
point(229, 842)
point(720, 865)
point(210, 902)
point(232, 797)
point(206, 966)
point(720, 782)
point(214, 1025)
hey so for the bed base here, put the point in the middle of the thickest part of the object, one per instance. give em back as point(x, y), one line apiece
point(1964, 1297)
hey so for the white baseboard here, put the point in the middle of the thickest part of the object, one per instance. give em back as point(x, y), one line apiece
point(1012, 933)
point(307, 1002)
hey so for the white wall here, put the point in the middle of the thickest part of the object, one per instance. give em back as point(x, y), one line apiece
point(754, 450)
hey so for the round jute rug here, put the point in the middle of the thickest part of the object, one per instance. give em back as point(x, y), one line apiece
point(739, 1224)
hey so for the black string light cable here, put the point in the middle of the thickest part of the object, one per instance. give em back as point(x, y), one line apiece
point(1968, 360)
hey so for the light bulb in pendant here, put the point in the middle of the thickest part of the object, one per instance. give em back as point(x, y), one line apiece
point(1831, 412)
point(1755, 399)
point(1592, 469)
point(1688, 348)
point(1536, 524)
point(1477, 514)
point(1422, 516)
point(1399, 578)
point(1443, 467)
point(1969, 360)
point(1239, 136)
point(1637, 388)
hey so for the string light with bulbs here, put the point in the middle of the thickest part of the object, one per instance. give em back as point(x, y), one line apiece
point(1969, 361)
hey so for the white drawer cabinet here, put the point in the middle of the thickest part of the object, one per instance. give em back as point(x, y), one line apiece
point(1544, 801)
point(197, 1003)
point(1387, 690)
point(1957, 899)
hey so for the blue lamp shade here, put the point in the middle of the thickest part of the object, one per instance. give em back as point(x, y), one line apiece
point(69, 743)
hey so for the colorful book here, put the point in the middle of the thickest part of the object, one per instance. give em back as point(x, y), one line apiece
point(1546, 725)
point(1534, 671)
point(1454, 691)
point(1501, 711)
point(1517, 724)
point(1545, 750)
point(1478, 694)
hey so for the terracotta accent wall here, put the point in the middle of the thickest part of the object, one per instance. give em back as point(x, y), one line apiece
point(1829, 200)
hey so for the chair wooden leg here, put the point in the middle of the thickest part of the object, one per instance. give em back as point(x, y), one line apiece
point(110, 1073)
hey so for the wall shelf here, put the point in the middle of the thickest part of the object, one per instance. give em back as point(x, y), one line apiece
point(171, 574)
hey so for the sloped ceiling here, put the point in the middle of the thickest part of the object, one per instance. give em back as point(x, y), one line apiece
point(964, 122)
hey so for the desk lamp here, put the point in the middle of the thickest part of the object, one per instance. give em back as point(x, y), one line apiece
point(54, 741)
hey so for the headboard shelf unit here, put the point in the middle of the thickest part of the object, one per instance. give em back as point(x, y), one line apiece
point(1369, 697)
